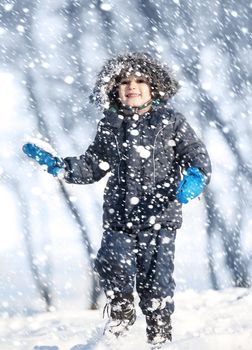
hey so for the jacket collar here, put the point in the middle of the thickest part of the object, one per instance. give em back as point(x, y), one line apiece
point(113, 118)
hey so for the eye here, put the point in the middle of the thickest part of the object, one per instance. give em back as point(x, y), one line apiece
point(141, 81)
point(124, 82)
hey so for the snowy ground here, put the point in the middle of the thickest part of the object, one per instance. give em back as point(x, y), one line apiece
point(208, 320)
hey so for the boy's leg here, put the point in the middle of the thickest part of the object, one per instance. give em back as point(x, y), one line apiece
point(116, 265)
point(155, 283)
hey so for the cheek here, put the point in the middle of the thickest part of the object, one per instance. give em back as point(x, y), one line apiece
point(147, 92)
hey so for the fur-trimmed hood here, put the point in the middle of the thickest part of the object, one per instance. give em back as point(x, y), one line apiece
point(163, 84)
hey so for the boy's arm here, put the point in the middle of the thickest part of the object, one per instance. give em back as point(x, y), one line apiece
point(190, 150)
point(89, 167)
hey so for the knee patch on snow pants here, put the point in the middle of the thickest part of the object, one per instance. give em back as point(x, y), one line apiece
point(115, 262)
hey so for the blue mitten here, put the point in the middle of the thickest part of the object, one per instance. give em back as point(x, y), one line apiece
point(191, 185)
point(54, 164)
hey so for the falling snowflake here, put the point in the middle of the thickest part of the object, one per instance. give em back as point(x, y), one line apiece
point(104, 166)
point(134, 200)
point(143, 152)
point(69, 79)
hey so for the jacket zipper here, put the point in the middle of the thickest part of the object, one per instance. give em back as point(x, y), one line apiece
point(153, 155)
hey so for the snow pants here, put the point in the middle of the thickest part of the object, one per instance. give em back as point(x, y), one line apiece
point(146, 257)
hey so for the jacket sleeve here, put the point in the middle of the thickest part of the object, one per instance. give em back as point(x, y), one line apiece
point(190, 150)
point(91, 166)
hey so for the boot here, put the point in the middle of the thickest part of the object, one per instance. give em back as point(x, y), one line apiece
point(159, 329)
point(122, 314)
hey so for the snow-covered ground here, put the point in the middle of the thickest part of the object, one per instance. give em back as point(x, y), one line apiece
point(207, 320)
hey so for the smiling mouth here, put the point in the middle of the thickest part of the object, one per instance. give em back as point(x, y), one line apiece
point(132, 95)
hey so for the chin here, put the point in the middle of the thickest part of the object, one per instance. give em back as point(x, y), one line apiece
point(133, 105)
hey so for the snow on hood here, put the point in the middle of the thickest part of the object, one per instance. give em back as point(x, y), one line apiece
point(161, 79)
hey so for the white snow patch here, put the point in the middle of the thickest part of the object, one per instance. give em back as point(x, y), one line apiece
point(69, 79)
point(234, 14)
point(172, 143)
point(73, 199)
point(180, 31)
point(244, 30)
point(176, 68)
point(210, 320)
point(20, 28)
point(37, 191)
point(165, 121)
point(134, 200)
point(106, 7)
point(206, 85)
point(104, 165)
point(45, 65)
point(165, 240)
point(157, 227)
point(134, 132)
point(110, 293)
point(8, 7)
point(106, 79)
point(143, 152)
point(152, 220)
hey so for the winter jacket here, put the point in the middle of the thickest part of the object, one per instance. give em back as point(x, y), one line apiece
point(145, 156)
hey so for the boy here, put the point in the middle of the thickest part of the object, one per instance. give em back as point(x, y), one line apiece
point(145, 145)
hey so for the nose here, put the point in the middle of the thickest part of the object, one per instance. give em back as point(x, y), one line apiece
point(132, 84)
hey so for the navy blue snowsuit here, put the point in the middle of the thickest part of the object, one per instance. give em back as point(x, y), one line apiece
point(144, 155)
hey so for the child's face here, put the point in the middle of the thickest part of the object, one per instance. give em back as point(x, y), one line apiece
point(134, 91)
